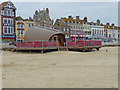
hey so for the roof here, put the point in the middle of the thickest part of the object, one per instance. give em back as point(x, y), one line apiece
point(67, 19)
point(38, 33)
point(19, 17)
point(8, 2)
point(4, 4)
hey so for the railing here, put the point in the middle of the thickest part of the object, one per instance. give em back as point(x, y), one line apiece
point(36, 44)
point(50, 44)
point(83, 43)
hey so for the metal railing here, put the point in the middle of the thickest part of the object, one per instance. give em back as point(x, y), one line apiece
point(53, 44)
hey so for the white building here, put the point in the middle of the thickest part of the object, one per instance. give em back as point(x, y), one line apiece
point(112, 35)
point(97, 32)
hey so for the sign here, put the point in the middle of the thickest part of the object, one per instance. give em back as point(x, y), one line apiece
point(12, 36)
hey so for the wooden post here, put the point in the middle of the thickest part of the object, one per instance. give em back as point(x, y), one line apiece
point(42, 51)
point(42, 44)
point(33, 44)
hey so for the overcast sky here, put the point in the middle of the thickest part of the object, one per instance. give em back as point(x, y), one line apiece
point(105, 11)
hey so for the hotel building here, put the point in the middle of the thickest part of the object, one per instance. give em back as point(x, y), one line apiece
point(8, 14)
point(72, 27)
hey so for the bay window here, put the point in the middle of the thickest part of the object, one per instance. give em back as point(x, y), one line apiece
point(7, 30)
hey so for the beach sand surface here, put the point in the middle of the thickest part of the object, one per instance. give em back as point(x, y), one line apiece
point(61, 69)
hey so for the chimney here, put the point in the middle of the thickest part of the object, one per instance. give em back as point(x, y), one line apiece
point(98, 22)
point(101, 24)
point(29, 18)
point(77, 18)
point(47, 18)
point(85, 19)
point(47, 10)
point(36, 12)
point(107, 24)
point(112, 24)
point(70, 17)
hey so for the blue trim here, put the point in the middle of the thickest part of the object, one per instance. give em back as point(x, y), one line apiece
point(13, 36)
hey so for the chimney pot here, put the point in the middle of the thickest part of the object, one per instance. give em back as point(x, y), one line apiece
point(85, 19)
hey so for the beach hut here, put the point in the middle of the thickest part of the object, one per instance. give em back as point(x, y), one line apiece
point(44, 34)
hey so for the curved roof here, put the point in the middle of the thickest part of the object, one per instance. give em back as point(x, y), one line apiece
point(37, 33)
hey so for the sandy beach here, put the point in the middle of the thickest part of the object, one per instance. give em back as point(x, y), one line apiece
point(61, 69)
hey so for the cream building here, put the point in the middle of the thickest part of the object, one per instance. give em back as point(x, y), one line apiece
point(72, 26)
point(22, 26)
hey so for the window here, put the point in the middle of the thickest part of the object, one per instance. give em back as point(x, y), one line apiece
point(109, 35)
point(9, 30)
point(20, 26)
point(5, 30)
point(118, 35)
point(5, 12)
point(102, 32)
point(9, 13)
point(21, 32)
point(54, 38)
point(5, 21)
point(66, 29)
point(9, 21)
point(18, 32)
point(20, 20)
point(29, 25)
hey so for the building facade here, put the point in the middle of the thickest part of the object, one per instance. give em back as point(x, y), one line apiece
point(42, 18)
point(111, 33)
point(73, 26)
point(97, 32)
point(22, 26)
point(8, 14)
point(19, 29)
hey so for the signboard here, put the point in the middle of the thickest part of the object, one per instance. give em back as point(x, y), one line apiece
point(12, 36)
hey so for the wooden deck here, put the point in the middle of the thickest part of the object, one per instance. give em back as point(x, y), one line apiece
point(42, 49)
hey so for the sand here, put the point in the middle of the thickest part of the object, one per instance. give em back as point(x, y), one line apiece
point(61, 69)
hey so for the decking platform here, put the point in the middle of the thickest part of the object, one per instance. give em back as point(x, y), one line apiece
point(42, 49)
point(52, 45)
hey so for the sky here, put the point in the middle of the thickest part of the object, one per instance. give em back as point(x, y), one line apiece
point(105, 11)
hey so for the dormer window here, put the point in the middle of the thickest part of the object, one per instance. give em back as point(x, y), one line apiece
point(5, 12)
point(20, 20)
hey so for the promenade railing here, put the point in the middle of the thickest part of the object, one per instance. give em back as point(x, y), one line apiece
point(51, 44)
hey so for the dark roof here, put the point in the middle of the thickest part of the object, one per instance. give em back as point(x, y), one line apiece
point(37, 33)
point(4, 4)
